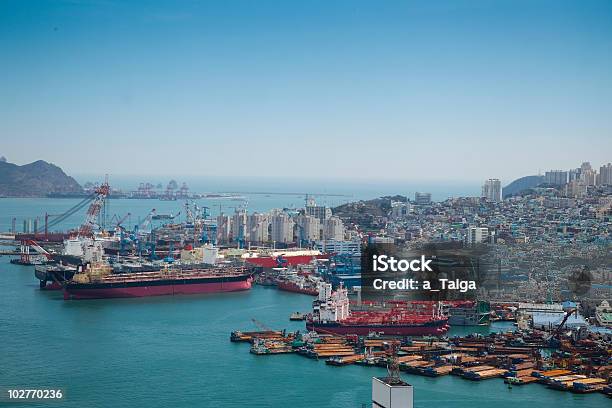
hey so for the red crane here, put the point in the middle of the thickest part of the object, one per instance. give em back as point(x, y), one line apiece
point(100, 195)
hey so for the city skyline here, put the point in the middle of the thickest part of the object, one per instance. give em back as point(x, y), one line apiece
point(393, 91)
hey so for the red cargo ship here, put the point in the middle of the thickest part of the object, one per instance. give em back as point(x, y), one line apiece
point(283, 258)
point(159, 283)
point(331, 314)
point(296, 287)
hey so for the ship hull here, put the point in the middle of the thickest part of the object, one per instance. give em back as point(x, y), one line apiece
point(271, 262)
point(429, 329)
point(156, 288)
point(289, 287)
point(52, 279)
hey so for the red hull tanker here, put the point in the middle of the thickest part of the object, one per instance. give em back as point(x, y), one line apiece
point(283, 258)
point(331, 314)
point(295, 288)
point(159, 284)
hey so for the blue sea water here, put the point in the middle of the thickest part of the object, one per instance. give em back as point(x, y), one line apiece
point(175, 352)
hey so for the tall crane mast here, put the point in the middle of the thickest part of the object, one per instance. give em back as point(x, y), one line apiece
point(100, 195)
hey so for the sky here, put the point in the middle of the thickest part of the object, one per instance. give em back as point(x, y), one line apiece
point(444, 91)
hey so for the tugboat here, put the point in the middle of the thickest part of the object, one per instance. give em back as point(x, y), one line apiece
point(297, 316)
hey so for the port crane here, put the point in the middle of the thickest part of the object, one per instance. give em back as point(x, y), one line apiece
point(122, 220)
point(95, 201)
point(100, 194)
point(557, 332)
point(147, 221)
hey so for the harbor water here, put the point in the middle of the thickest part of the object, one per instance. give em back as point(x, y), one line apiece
point(175, 352)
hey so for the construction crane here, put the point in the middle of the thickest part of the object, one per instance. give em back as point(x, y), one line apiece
point(100, 194)
point(122, 220)
point(24, 253)
point(146, 222)
point(557, 332)
point(59, 218)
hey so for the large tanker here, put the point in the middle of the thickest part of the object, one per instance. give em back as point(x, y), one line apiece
point(98, 282)
point(331, 314)
point(283, 258)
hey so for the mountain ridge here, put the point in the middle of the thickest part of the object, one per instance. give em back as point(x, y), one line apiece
point(36, 179)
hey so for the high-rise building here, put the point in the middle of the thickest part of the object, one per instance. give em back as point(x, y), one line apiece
point(319, 211)
point(333, 229)
point(588, 177)
point(491, 190)
point(586, 166)
point(224, 228)
point(574, 174)
point(257, 225)
point(605, 175)
point(281, 227)
point(556, 177)
point(422, 198)
point(308, 228)
point(239, 226)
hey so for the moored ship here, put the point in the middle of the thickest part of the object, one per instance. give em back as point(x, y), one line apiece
point(98, 282)
point(297, 287)
point(283, 258)
point(332, 314)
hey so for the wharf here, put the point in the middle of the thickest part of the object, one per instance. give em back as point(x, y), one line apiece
point(517, 366)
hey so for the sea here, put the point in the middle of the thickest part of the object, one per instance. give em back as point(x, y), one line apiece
point(175, 351)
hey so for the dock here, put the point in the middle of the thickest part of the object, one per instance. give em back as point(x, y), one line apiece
point(461, 357)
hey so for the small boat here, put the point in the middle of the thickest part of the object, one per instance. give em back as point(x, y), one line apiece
point(297, 316)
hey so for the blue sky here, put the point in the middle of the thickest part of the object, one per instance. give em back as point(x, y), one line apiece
point(406, 90)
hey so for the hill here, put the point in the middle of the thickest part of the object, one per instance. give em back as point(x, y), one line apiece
point(521, 184)
point(36, 179)
point(367, 214)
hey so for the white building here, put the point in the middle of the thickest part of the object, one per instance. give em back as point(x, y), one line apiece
point(314, 210)
point(257, 225)
point(333, 228)
point(308, 228)
point(391, 393)
point(556, 177)
point(605, 175)
point(400, 210)
point(339, 247)
point(224, 228)
point(282, 227)
point(477, 235)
